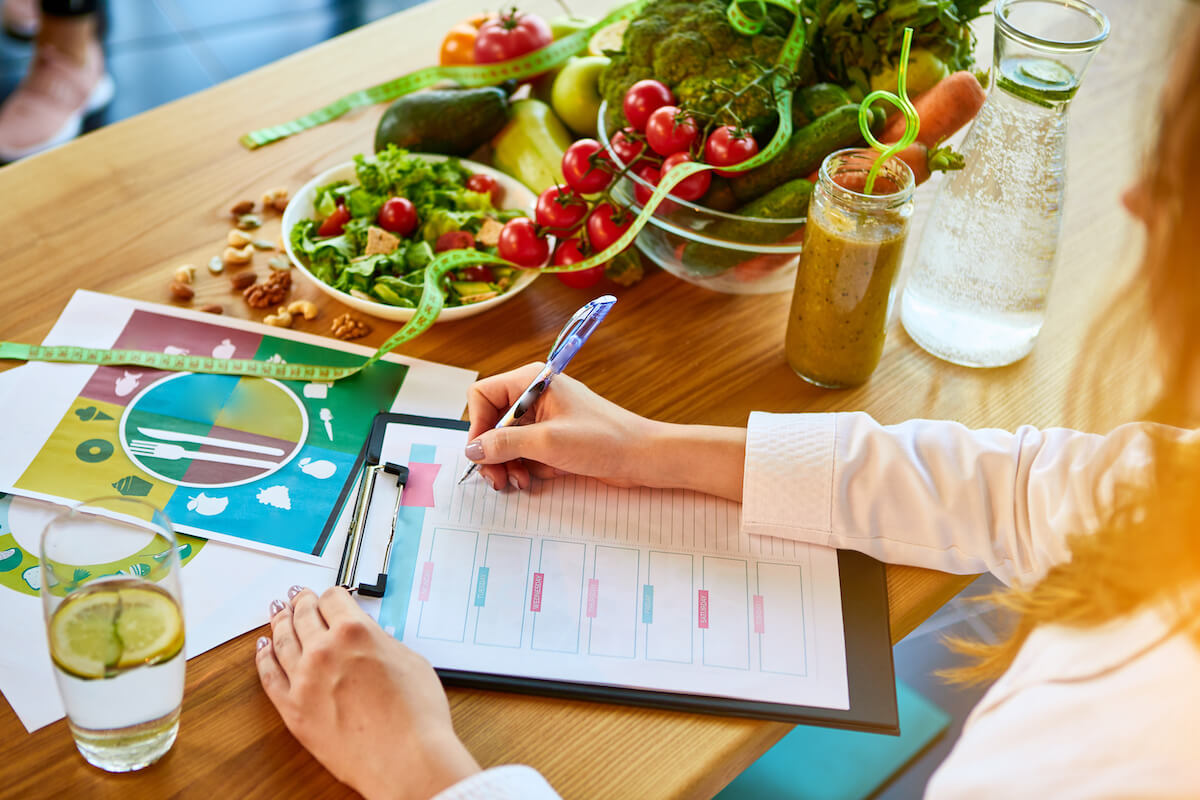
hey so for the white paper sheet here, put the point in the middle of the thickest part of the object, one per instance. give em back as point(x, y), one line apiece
point(576, 580)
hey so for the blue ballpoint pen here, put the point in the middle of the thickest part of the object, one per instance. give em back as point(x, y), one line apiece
point(577, 330)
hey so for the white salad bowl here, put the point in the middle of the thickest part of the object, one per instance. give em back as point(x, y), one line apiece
point(516, 196)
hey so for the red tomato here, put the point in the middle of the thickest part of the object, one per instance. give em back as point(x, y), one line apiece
point(691, 188)
point(398, 215)
point(606, 224)
point(560, 210)
point(667, 135)
point(585, 165)
point(520, 244)
point(486, 184)
point(629, 150)
point(511, 35)
point(477, 272)
point(642, 99)
point(569, 253)
point(650, 174)
point(727, 146)
point(454, 240)
point(335, 222)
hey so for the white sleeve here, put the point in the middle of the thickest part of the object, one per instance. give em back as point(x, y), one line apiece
point(511, 782)
point(936, 494)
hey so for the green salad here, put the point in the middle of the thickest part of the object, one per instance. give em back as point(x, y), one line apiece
point(374, 238)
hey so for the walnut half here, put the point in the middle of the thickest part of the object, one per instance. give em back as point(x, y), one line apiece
point(348, 326)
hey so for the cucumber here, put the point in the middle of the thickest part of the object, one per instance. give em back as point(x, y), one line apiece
point(802, 154)
point(453, 122)
point(813, 102)
point(783, 202)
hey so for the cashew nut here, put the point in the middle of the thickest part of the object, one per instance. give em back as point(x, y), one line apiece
point(238, 238)
point(280, 319)
point(233, 255)
point(306, 307)
point(185, 273)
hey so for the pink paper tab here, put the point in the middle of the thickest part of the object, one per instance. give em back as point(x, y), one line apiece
point(426, 581)
point(758, 614)
point(535, 599)
point(593, 596)
point(702, 608)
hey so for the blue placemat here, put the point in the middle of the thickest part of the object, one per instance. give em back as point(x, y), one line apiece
point(827, 764)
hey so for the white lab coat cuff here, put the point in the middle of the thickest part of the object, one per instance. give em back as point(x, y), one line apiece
point(787, 490)
point(510, 782)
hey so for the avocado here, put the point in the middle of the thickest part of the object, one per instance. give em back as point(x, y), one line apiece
point(453, 122)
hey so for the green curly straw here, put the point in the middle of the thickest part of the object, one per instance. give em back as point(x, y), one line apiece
point(912, 122)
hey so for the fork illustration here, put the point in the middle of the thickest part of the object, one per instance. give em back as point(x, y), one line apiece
point(174, 452)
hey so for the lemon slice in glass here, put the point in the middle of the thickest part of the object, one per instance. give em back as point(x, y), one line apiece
point(110, 628)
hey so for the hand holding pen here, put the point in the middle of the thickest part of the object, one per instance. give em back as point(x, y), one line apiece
point(492, 430)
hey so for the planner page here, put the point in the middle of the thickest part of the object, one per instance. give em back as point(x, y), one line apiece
point(579, 581)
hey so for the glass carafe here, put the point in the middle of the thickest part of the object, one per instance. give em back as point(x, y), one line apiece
point(977, 293)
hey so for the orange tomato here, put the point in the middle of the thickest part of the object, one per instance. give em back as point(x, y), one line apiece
point(458, 48)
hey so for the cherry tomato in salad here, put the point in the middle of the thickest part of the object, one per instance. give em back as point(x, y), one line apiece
point(335, 223)
point(606, 224)
point(669, 131)
point(486, 184)
point(398, 215)
point(692, 187)
point(511, 35)
point(727, 146)
point(629, 149)
point(650, 174)
point(585, 165)
point(520, 244)
point(454, 240)
point(642, 99)
point(560, 210)
point(477, 272)
point(569, 252)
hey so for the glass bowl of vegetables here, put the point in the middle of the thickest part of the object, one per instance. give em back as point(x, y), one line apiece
point(346, 231)
point(719, 250)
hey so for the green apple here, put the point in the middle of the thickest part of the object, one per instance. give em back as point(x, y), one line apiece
point(924, 70)
point(575, 95)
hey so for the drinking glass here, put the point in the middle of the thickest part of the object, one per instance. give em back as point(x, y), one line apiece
point(114, 623)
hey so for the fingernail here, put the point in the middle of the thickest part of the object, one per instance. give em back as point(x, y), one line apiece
point(513, 482)
point(474, 451)
point(276, 607)
point(261, 643)
point(492, 484)
point(295, 590)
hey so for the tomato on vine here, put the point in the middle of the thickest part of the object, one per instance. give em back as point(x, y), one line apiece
point(586, 167)
point(727, 146)
point(520, 244)
point(569, 252)
point(650, 174)
point(606, 224)
point(642, 99)
point(671, 131)
point(560, 210)
point(628, 148)
point(511, 35)
point(692, 187)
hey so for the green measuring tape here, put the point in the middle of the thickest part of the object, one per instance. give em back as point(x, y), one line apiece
point(432, 295)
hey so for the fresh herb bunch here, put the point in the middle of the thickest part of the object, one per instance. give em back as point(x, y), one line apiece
point(856, 39)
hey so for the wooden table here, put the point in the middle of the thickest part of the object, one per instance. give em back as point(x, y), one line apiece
point(118, 210)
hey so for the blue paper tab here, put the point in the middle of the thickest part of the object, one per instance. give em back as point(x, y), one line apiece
point(481, 587)
point(647, 603)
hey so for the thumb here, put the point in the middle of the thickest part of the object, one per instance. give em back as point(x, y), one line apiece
point(506, 444)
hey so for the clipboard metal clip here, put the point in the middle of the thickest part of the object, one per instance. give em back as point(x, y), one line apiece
point(348, 569)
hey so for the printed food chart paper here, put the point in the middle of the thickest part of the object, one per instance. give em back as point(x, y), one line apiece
point(580, 581)
point(226, 588)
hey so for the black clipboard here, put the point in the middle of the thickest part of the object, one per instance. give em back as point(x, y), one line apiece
point(870, 670)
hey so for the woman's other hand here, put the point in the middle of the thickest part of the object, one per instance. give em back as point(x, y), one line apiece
point(369, 709)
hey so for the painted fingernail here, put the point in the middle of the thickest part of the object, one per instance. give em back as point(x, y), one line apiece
point(261, 643)
point(276, 607)
point(295, 590)
point(513, 482)
point(474, 451)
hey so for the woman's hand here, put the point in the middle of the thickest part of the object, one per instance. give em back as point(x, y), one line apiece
point(369, 709)
point(574, 430)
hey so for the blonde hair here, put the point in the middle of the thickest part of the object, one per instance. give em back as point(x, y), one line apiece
point(1147, 551)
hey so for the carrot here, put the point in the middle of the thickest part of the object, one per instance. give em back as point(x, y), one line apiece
point(949, 105)
point(916, 155)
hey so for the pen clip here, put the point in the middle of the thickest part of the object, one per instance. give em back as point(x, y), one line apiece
point(582, 323)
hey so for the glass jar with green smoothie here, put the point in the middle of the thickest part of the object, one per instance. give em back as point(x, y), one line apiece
point(845, 283)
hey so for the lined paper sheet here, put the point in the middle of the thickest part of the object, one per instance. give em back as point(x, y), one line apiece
point(580, 581)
